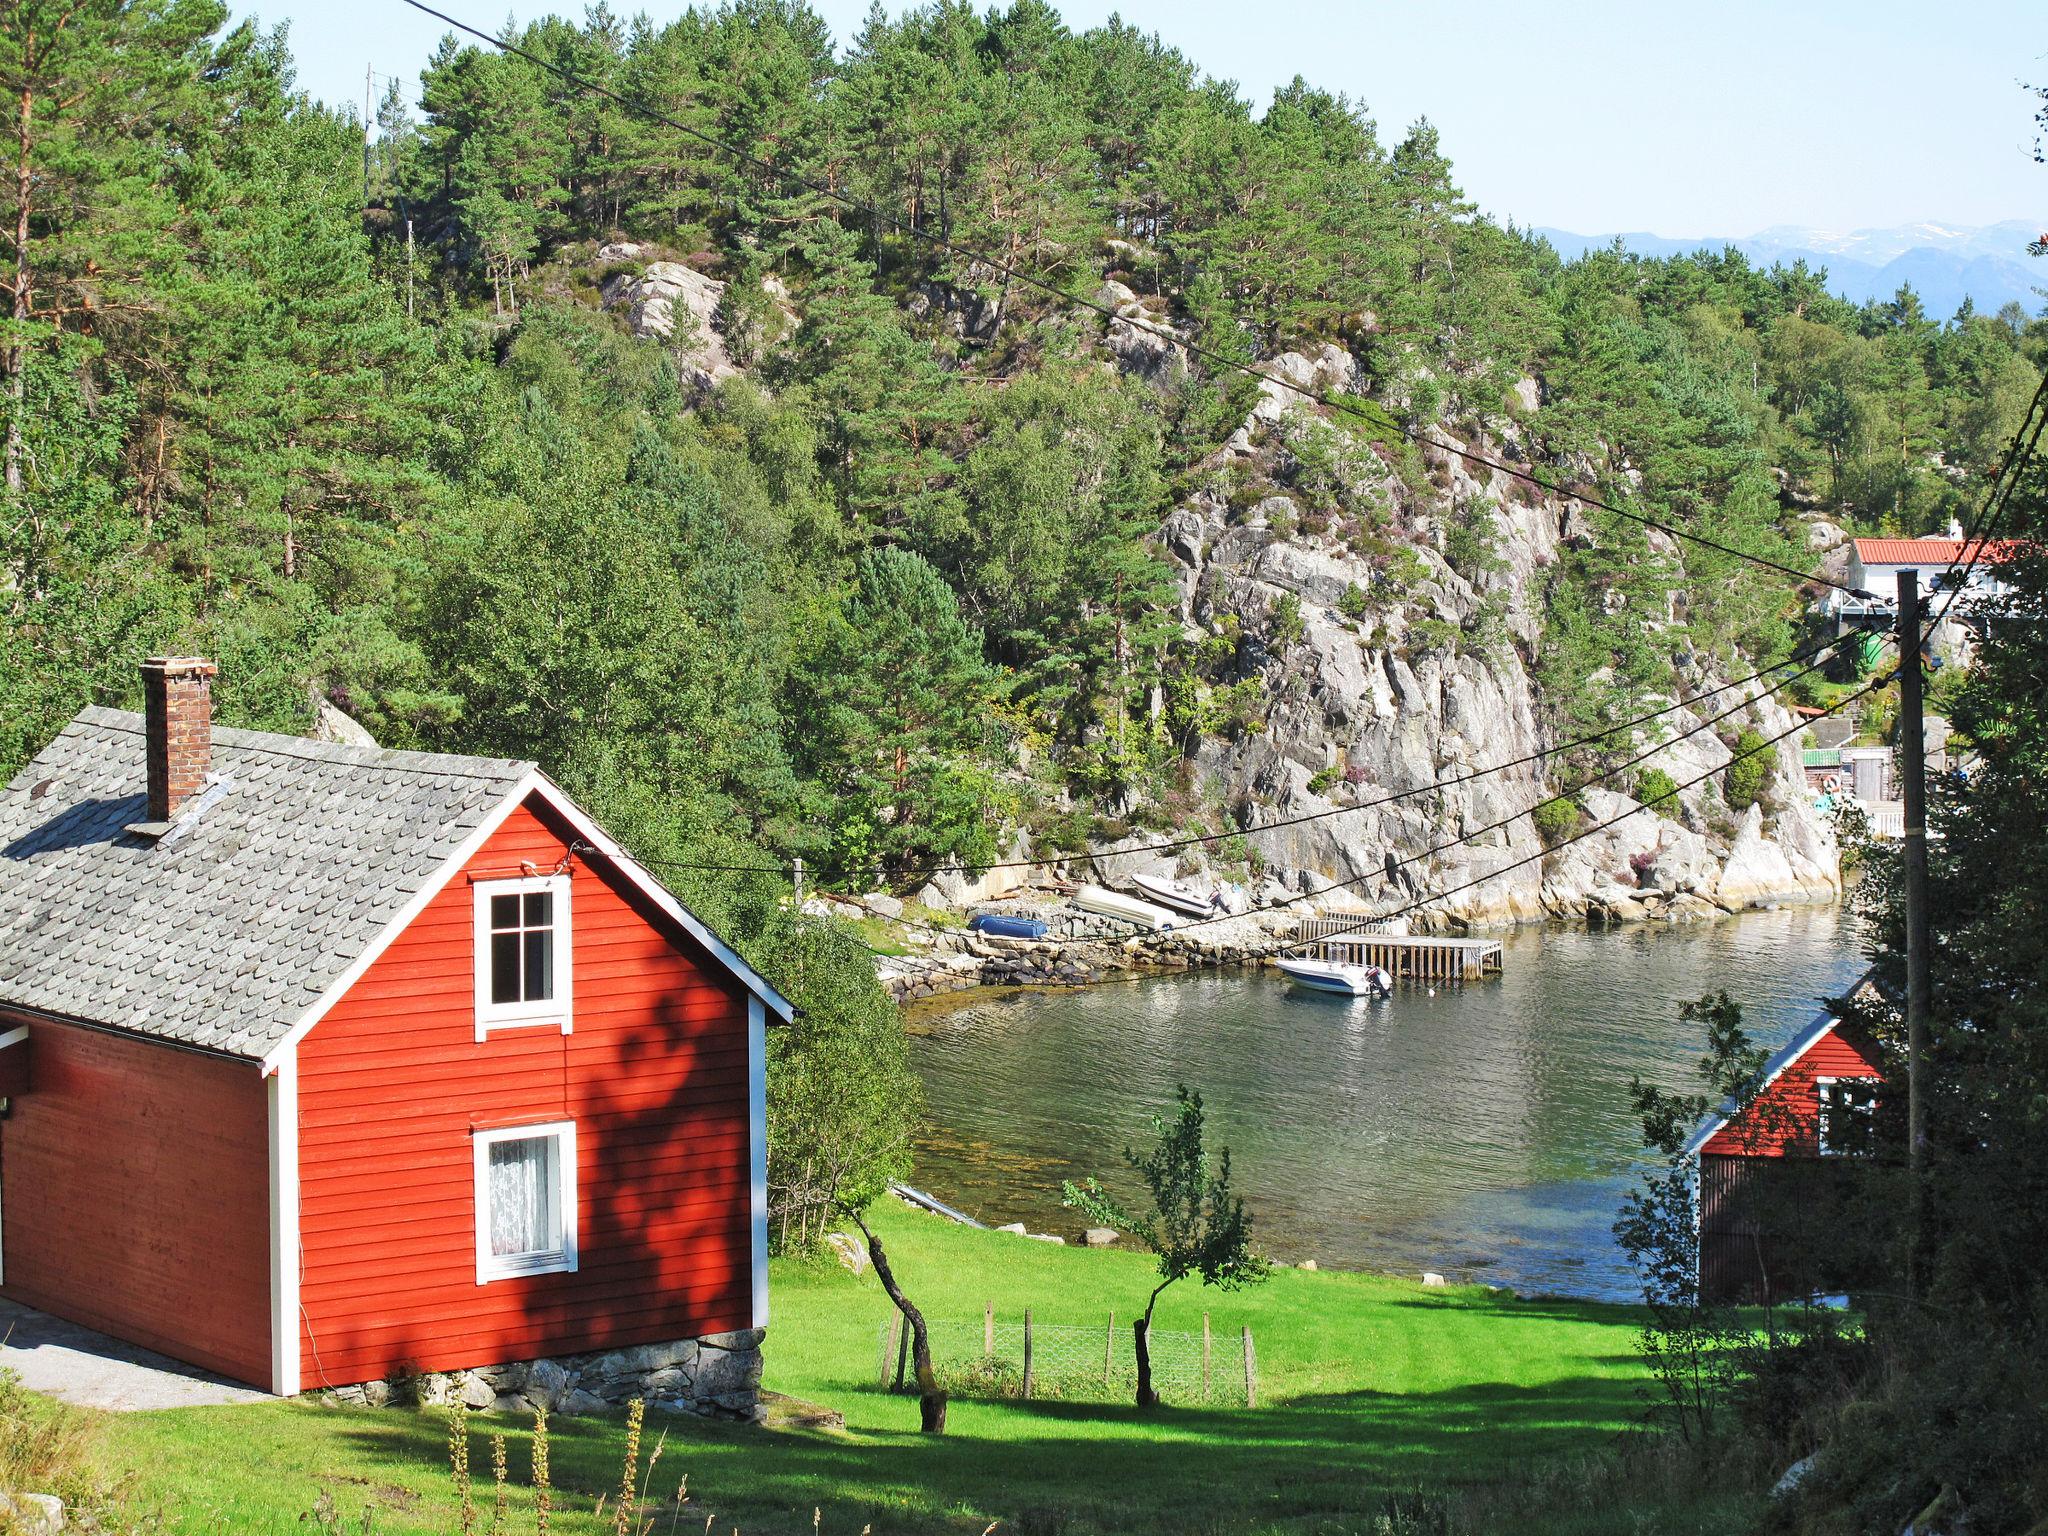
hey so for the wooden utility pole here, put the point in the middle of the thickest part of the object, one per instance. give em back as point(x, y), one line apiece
point(369, 74)
point(1913, 790)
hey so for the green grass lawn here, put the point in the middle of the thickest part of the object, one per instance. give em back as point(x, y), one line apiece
point(1370, 1388)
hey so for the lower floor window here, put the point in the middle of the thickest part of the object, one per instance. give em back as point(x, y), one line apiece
point(525, 1200)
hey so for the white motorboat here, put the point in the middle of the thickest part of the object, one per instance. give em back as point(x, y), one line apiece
point(1093, 898)
point(1330, 976)
point(1182, 898)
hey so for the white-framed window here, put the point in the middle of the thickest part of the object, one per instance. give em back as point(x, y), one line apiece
point(522, 953)
point(1848, 1108)
point(525, 1200)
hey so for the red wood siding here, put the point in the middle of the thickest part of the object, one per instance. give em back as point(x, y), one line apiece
point(1784, 1120)
point(393, 1081)
point(134, 1193)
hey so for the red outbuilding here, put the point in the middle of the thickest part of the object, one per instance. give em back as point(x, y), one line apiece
point(330, 1067)
point(1776, 1161)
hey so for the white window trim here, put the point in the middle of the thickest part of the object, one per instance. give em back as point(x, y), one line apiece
point(1821, 1085)
point(491, 1266)
point(557, 1010)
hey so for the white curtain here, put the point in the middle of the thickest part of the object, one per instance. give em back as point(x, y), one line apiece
point(522, 1191)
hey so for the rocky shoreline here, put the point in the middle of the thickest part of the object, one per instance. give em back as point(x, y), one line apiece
point(1085, 950)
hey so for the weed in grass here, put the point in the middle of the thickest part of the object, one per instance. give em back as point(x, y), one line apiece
point(45, 1447)
point(543, 1492)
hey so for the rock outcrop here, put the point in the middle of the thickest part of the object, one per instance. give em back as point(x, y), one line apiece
point(1384, 671)
point(673, 302)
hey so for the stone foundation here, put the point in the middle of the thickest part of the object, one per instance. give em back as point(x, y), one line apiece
point(717, 1376)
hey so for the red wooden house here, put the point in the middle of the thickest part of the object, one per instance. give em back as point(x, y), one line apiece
point(325, 1065)
point(1772, 1166)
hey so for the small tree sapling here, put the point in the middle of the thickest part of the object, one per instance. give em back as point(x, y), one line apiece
point(1196, 1225)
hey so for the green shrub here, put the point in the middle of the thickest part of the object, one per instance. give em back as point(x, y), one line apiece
point(1749, 771)
point(1353, 602)
point(1287, 625)
point(1557, 820)
point(1657, 789)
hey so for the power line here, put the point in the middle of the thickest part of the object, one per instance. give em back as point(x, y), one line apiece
point(1373, 415)
point(1584, 784)
point(2018, 452)
point(1391, 797)
point(1651, 803)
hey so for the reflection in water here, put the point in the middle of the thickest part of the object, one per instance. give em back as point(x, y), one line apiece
point(1483, 1132)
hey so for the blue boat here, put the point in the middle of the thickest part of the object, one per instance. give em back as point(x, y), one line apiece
point(997, 926)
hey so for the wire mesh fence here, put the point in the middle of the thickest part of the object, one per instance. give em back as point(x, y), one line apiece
point(1075, 1363)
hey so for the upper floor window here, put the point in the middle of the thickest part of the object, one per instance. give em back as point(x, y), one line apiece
point(522, 952)
point(1848, 1110)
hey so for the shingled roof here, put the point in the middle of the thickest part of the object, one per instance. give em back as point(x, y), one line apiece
point(228, 928)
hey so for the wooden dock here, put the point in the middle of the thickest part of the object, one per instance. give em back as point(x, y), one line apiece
point(1428, 958)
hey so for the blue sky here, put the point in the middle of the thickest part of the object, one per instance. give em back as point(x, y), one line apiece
point(1595, 115)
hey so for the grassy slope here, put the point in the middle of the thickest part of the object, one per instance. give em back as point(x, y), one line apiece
point(1374, 1384)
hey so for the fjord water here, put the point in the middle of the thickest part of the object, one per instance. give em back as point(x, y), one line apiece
point(1483, 1132)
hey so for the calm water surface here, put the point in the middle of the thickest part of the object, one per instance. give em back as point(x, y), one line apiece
point(1483, 1132)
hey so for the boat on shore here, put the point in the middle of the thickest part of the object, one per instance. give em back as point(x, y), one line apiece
point(997, 925)
point(1107, 903)
point(1334, 977)
point(1182, 898)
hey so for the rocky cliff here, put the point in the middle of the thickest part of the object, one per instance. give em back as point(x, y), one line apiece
point(1377, 677)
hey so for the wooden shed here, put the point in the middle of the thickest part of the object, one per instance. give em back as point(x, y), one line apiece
point(352, 1066)
point(1768, 1171)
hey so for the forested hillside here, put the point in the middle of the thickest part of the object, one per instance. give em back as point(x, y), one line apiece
point(864, 562)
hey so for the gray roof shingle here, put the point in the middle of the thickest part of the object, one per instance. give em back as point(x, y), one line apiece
point(225, 930)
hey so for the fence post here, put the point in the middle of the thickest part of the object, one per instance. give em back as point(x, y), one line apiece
point(1205, 1357)
point(902, 1351)
point(988, 1330)
point(889, 1338)
point(1251, 1372)
point(1027, 1352)
point(1108, 1349)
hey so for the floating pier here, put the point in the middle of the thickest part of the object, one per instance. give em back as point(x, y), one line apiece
point(1419, 957)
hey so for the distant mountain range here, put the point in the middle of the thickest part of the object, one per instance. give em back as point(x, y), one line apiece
point(1943, 262)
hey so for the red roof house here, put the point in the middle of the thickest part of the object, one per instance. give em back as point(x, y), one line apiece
point(329, 1067)
point(1767, 1160)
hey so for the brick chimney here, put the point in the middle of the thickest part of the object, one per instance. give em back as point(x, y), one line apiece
point(178, 711)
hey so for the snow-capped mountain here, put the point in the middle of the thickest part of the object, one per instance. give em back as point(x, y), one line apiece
point(1944, 262)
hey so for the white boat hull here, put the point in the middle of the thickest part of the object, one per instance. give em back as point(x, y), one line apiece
point(1342, 980)
point(1104, 903)
point(1170, 893)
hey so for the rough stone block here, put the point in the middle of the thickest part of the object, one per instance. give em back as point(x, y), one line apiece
point(1016, 1227)
point(739, 1338)
point(434, 1389)
point(1432, 1279)
point(580, 1402)
point(1099, 1237)
point(547, 1384)
point(32, 1514)
point(475, 1392)
point(722, 1372)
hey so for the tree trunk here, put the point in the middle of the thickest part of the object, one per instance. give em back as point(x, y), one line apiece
point(17, 360)
point(1142, 1329)
point(931, 1401)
